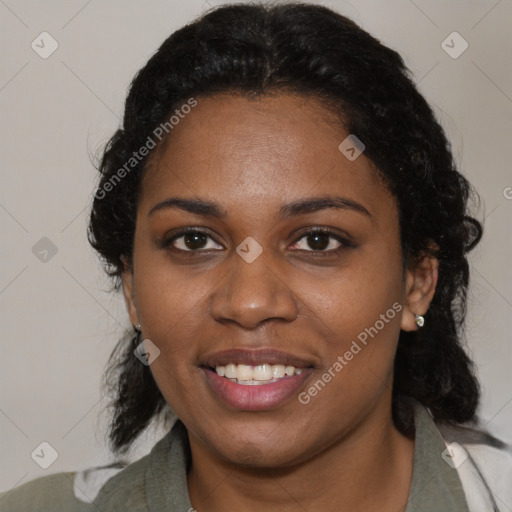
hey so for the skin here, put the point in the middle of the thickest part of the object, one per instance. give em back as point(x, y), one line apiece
point(252, 157)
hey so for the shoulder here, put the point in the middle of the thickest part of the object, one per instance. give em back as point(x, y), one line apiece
point(483, 460)
point(53, 492)
point(126, 486)
point(488, 451)
point(78, 491)
point(130, 487)
point(65, 492)
point(117, 486)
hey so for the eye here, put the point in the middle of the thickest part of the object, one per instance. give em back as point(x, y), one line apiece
point(191, 240)
point(321, 240)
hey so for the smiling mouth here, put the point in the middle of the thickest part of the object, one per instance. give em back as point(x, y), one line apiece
point(257, 379)
point(246, 393)
point(254, 375)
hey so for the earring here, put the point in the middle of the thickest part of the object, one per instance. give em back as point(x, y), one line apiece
point(137, 328)
point(420, 321)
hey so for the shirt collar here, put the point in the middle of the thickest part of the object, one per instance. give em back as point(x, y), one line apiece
point(435, 484)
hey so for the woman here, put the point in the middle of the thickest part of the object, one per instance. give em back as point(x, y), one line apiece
point(283, 214)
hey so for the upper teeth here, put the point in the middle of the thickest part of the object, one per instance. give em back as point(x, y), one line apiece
point(261, 372)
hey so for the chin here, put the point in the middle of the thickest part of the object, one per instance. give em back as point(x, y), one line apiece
point(262, 453)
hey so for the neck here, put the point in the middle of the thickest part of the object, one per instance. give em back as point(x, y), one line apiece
point(375, 457)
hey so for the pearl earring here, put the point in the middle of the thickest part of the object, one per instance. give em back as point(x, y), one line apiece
point(420, 321)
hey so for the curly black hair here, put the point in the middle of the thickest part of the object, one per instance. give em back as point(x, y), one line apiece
point(257, 49)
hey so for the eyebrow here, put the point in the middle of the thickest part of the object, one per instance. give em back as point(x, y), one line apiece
point(300, 207)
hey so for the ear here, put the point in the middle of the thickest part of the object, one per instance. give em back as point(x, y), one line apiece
point(420, 286)
point(128, 292)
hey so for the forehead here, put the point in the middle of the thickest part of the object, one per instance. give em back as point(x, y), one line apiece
point(234, 150)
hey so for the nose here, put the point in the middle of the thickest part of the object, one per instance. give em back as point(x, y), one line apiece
point(253, 293)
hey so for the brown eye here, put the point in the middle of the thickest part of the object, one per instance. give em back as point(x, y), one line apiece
point(321, 241)
point(318, 241)
point(191, 241)
point(194, 240)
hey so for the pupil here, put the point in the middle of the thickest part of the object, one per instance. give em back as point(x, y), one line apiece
point(315, 244)
point(192, 238)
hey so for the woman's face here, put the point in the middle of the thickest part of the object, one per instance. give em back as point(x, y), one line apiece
point(257, 283)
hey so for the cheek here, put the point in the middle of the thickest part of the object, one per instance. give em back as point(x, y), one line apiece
point(361, 325)
point(359, 311)
point(362, 344)
point(355, 296)
point(172, 307)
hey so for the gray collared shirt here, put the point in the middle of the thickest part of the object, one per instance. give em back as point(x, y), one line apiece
point(158, 481)
point(435, 485)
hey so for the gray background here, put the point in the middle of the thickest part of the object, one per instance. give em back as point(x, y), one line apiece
point(59, 322)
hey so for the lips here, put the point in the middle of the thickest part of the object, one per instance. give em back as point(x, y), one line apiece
point(264, 396)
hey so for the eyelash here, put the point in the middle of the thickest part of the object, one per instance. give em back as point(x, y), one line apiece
point(345, 244)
